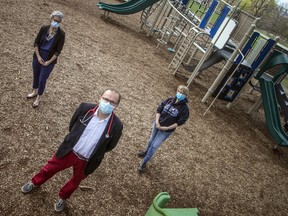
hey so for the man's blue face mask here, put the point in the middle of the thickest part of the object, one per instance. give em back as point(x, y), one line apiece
point(105, 107)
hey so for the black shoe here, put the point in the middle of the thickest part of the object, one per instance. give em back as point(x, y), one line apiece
point(142, 167)
point(142, 154)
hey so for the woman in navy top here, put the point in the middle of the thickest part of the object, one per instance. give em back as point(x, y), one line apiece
point(171, 113)
point(48, 45)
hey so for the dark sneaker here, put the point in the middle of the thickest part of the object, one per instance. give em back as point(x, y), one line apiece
point(142, 167)
point(28, 187)
point(59, 205)
point(142, 154)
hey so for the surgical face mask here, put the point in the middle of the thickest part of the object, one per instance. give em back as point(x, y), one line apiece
point(105, 107)
point(180, 96)
point(55, 24)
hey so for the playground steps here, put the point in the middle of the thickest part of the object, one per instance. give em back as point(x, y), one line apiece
point(182, 51)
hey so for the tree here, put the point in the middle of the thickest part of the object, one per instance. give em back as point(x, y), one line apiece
point(260, 6)
point(257, 7)
point(275, 22)
point(274, 18)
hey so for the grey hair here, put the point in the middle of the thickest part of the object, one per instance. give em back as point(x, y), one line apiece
point(58, 14)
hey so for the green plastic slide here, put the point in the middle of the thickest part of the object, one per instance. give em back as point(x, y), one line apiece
point(269, 97)
point(158, 208)
point(121, 5)
point(272, 114)
point(129, 7)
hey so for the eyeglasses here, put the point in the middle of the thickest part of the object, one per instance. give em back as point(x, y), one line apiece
point(57, 21)
point(113, 103)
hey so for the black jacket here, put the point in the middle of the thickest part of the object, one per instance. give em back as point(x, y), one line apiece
point(57, 45)
point(172, 112)
point(76, 129)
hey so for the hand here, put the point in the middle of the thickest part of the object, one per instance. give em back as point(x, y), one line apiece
point(158, 126)
point(46, 63)
point(40, 60)
point(164, 128)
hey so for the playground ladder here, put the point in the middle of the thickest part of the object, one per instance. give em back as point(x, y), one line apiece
point(184, 48)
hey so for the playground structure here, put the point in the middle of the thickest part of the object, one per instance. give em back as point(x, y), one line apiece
point(243, 68)
point(170, 18)
point(254, 52)
point(234, 29)
point(229, 28)
point(273, 95)
point(158, 208)
point(176, 19)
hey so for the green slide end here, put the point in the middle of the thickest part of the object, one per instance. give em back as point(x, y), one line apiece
point(130, 7)
point(272, 114)
point(158, 208)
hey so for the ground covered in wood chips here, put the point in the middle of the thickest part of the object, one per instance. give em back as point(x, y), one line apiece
point(222, 163)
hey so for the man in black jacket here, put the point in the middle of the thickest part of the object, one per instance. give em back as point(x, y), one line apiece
point(94, 129)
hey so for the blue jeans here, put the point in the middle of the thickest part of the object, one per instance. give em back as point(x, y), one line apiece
point(156, 139)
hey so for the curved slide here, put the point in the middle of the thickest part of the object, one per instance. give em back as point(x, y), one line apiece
point(269, 96)
point(130, 7)
point(272, 114)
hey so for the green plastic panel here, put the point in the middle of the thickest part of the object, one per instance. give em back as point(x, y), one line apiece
point(272, 114)
point(158, 208)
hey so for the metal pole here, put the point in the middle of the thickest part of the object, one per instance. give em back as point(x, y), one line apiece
point(156, 18)
point(255, 105)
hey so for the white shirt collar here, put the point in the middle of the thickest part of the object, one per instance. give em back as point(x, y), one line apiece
point(96, 115)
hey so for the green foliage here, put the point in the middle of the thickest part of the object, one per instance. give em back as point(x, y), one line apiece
point(196, 9)
point(245, 4)
point(199, 10)
point(257, 7)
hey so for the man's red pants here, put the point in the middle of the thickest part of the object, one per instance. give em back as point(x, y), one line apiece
point(57, 164)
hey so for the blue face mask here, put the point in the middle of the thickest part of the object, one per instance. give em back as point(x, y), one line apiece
point(180, 96)
point(105, 107)
point(55, 24)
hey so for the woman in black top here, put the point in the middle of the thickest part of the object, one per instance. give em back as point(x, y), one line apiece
point(48, 45)
point(171, 113)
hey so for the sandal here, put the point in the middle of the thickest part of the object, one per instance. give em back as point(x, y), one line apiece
point(35, 104)
point(31, 95)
